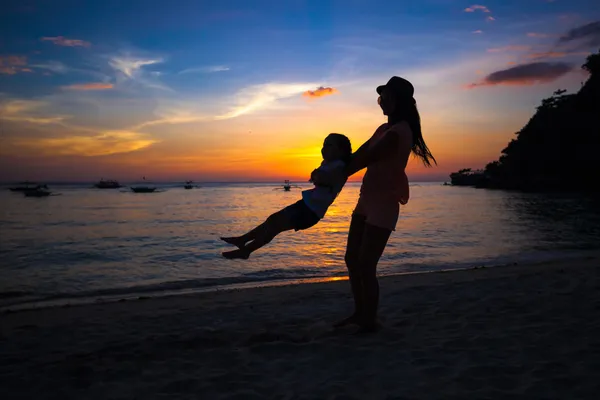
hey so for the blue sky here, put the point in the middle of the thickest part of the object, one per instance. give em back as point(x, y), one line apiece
point(214, 90)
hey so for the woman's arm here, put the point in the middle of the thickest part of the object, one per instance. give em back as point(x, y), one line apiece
point(385, 147)
point(358, 160)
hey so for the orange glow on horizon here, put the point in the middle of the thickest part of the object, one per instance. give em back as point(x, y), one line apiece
point(290, 157)
point(272, 146)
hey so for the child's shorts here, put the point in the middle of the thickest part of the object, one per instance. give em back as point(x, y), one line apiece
point(301, 216)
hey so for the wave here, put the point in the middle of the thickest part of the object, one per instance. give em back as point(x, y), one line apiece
point(15, 300)
point(255, 278)
point(14, 294)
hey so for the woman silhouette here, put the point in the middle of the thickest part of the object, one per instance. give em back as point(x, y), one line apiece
point(384, 188)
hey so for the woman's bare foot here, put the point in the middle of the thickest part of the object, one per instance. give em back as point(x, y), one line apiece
point(351, 320)
point(234, 240)
point(235, 254)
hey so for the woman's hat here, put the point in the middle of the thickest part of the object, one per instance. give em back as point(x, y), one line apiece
point(399, 86)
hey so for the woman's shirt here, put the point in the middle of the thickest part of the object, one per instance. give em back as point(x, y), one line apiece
point(386, 178)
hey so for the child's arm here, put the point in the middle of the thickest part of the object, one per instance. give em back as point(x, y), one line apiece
point(327, 177)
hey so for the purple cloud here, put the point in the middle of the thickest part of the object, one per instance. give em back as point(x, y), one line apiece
point(525, 74)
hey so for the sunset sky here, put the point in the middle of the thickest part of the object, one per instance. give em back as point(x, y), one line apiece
point(247, 90)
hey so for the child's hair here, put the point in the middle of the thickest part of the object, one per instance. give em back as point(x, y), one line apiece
point(344, 143)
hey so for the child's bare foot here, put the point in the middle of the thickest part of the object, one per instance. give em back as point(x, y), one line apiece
point(351, 320)
point(234, 240)
point(234, 254)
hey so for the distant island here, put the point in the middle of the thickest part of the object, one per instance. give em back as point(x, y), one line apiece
point(557, 150)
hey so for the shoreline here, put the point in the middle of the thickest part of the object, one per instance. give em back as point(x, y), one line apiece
point(513, 332)
point(75, 300)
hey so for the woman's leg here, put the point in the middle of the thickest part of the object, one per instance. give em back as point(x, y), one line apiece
point(262, 234)
point(355, 237)
point(372, 246)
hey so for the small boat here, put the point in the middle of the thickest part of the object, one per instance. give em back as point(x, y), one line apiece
point(37, 193)
point(24, 186)
point(189, 185)
point(108, 184)
point(143, 188)
point(40, 191)
point(287, 186)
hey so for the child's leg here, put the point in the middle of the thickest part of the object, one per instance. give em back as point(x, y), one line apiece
point(262, 234)
point(240, 241)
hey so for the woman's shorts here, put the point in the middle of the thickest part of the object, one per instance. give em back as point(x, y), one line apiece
point(378, 211)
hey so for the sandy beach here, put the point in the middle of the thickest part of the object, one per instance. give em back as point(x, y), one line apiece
point(523, 331)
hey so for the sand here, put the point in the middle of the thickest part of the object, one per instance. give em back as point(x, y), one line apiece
point(518, 332)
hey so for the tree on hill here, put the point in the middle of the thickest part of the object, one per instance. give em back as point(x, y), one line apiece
point(558, 148)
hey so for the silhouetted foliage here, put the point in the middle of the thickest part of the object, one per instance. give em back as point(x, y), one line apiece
point(558, 148)
point(592, 64)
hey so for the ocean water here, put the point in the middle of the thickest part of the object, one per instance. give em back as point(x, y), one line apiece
point(91, 242)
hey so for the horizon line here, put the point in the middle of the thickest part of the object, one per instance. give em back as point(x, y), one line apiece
point(3, 183)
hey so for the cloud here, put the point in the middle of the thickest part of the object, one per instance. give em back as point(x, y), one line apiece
point(89, 86)
point(477, 31)
point(320, 92)
point(132, 69)
point(538, 35)
point(172, 119)
point(526, 74)
point(508, 48)
point(258, 97)
point(555, 54)
point(53, 66)
point(101, 144)
point(206, 70)
point(27, 111)
point(63, 41)
point(130, 66)
point(71, 139)
point(481, 8)
point(587, 35)
point(59, 68)
point(475, 7)
point(11, 65)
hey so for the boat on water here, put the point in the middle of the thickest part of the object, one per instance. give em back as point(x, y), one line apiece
point(143, 189)
point(108, 184)
point(287, 186)
point(25, 186)
point(37, 193)
point(189, 185)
